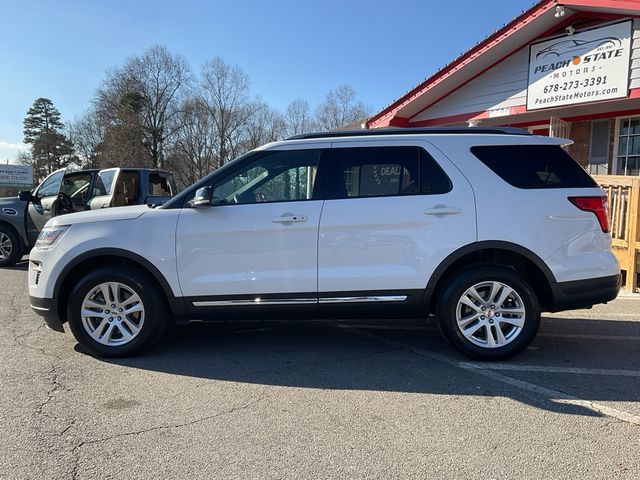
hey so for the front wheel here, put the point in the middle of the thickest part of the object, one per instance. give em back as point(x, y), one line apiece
point(10, 247)
point(116, 312)
point(489, 313)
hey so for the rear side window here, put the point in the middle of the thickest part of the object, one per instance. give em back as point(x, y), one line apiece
point(387, 171)
point(534, 166)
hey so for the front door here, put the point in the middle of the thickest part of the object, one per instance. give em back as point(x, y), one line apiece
point(256, 248)
point(43, 205)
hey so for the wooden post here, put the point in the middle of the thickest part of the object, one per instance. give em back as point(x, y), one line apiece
point(634, 232)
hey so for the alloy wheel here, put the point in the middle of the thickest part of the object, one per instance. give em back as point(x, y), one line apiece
point(5, 246)
point(490, 314)
point(112, 314)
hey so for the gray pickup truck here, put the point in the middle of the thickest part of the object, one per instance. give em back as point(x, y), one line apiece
point(22, 217)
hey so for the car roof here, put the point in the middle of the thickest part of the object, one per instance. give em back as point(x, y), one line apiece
point(414, 131)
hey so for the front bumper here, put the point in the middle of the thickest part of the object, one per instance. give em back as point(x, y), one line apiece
point(45, 307)
point(584, 293)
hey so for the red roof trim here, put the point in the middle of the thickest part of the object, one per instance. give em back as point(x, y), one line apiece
point(518, 110)
point(513, 26)
point(519, 22)
point(571, 19)
point(613, 4)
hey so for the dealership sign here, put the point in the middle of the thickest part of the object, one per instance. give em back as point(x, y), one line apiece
point(584, 67)
point(16, 176)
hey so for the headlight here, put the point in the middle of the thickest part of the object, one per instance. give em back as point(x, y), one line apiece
point(49, 236)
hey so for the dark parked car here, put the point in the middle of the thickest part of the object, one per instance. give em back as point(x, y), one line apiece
point(22, 218)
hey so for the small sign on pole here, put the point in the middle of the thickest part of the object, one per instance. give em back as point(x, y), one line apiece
point(16, 176)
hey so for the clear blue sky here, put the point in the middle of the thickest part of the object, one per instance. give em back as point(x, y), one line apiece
point(61, 49)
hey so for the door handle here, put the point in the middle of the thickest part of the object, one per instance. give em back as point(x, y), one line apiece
point(442, 210)
point(289, 219)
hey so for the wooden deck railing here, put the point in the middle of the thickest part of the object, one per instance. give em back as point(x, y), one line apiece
point(624, 209)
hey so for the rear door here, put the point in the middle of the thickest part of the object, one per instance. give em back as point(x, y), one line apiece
point(396, 211)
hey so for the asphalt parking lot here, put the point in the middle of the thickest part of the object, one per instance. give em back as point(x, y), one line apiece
point(320, 401)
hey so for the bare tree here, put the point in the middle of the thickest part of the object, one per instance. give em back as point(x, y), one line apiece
point(193, 153)
point(87, 134)
point(144, 97)
point(299, 118)
point(224, 89)
point(340, 108)
point(265, 125)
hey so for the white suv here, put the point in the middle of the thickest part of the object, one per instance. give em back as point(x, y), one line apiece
point(483, 227)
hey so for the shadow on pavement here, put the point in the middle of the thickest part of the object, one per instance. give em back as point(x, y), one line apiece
point(322, 356)
point(22, 265)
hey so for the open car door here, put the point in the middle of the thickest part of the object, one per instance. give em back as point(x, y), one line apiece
point(43, 204)
point(104, 188)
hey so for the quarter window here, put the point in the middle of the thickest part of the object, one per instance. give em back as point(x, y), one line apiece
point(534, 166)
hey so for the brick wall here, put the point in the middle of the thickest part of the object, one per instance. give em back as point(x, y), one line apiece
point(581, 135)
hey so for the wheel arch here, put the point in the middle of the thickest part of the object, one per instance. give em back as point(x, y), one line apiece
point(109, 257)
point(493, 252)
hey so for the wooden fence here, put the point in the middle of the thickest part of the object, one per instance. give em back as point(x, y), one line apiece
point(624, 209)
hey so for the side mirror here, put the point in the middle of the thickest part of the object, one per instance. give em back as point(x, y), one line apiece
point(25, 196)
point(203, 197)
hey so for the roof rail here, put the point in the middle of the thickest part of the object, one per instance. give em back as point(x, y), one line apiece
point(415, 131)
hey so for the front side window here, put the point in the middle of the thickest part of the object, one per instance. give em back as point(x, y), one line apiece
point(104, 181)
point(278, 176)
point(388, 171)
point(51, 185)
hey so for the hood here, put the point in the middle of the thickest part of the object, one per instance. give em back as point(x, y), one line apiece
point(103, 215)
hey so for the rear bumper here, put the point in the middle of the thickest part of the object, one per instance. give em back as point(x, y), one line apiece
point(584, 293)
point(45, 307)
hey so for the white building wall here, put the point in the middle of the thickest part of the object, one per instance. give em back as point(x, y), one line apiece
point(505, 85)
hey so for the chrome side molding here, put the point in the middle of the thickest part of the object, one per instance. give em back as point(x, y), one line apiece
point(377, 298)
point(299, 301)
point(256, 301)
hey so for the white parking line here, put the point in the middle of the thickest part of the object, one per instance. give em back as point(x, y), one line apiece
point(486, 370)
point(583, 336)
point(587, 336)
point(545, 369)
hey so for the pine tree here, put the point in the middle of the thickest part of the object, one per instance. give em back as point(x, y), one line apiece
point(50, 148)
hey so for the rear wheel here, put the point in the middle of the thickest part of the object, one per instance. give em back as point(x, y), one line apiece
point(116, 312)
point(10, 247)
point(489, 313)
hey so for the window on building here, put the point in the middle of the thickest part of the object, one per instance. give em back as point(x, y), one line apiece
point(628, 152)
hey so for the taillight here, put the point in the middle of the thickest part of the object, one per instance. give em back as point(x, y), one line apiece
point(596, 205)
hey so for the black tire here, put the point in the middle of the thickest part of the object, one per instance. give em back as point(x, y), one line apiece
point(453, 293)
point(16, 246)
point(153, 300)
